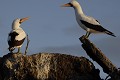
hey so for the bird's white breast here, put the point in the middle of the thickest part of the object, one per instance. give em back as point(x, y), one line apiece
point(78, 18)
point(21, 35)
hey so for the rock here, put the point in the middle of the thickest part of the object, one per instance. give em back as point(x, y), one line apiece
point(46, 66)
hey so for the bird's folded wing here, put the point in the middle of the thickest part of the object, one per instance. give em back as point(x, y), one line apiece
point(93, 26)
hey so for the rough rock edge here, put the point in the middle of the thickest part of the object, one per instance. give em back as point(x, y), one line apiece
point(46, 66)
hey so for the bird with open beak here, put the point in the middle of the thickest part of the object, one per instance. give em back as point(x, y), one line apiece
point(17, 35)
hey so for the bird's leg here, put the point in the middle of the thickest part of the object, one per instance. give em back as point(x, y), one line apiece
point(11, 51)
point(18, 50)
point(87, 34)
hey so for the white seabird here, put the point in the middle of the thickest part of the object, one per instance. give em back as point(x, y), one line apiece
point(88, 23)
point(17, 35)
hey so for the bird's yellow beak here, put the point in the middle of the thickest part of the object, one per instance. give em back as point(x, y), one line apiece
point(23, 19)
point(67, 5)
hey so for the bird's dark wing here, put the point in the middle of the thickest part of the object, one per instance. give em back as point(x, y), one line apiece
point(97, 28)
point(98, 21)
point(12, 41)
point(12, 37)
point(93, 26)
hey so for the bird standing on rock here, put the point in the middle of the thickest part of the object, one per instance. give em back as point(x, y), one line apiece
point(17, 35)
point(88, 23)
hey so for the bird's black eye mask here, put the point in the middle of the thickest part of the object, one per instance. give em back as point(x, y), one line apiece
point(20, 21)
point(70, 4)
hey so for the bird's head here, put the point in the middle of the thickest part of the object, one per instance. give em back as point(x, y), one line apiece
point(73, 4)
point(17, 22)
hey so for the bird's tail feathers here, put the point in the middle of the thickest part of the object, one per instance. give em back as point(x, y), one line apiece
point(110, 33)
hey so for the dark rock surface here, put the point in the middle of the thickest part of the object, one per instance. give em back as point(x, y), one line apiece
point(46, 66)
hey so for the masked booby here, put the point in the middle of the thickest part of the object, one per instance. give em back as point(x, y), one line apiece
point(88, 23)
point(17, 35)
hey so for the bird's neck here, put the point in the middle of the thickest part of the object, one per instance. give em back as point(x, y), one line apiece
point(15, 27)
point(78, 10)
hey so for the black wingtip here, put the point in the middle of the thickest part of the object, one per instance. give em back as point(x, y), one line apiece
point(113, 35)
point(110, 33)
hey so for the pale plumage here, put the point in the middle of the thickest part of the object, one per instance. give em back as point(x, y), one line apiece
point(88, 23)
point(17, 35)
